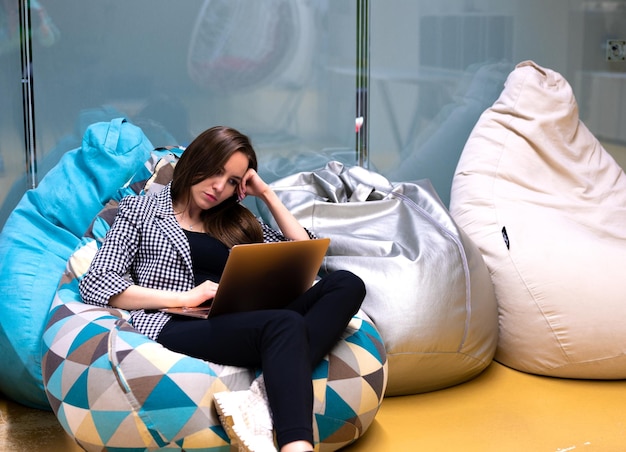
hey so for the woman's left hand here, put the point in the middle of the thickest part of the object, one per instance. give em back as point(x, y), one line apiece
point(251, 184)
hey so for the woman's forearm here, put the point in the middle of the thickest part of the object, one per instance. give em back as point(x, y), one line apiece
point(137, 297)
point(288, 224)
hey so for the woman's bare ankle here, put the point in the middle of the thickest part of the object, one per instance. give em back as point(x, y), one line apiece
point(297, 446)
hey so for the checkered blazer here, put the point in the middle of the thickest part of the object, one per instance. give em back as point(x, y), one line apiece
point(147, 247)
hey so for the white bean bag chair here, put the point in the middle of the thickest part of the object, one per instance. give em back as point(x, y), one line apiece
point(546, 205)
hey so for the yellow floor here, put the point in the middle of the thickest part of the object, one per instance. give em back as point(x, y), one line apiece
point(504, 410)
point(501, 410)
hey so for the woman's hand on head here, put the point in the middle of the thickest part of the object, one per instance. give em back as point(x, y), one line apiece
point(251, 184)
point(254, 185)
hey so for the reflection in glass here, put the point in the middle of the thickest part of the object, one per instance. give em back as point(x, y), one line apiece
point(15, 163)
point(261, 67)
point(256, 66)
point(437, 65)
point(284, 72)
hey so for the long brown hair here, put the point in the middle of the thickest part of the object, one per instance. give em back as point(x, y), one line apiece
point(229, 222)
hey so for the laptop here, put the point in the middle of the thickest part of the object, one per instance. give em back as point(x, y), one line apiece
point(262, 276)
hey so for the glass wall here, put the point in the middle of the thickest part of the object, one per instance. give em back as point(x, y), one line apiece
point(177, 68)
point(437, 64)
point(285, 72)
point(13, 179)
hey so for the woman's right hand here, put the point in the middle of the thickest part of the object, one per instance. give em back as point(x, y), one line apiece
point(201, 293)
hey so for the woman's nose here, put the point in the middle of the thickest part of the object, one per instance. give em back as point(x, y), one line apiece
point(220, 183)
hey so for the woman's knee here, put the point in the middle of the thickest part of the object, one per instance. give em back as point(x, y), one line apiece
point(349, 282)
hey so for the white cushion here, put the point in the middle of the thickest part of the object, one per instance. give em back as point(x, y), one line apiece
point(532, 168)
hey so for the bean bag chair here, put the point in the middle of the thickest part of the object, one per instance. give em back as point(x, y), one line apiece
point(113, 388)
point(428, 289)
point(52, 156)
point(546, 205)
point(40, 235)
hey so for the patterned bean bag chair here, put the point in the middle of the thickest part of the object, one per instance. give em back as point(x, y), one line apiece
point(113, 388)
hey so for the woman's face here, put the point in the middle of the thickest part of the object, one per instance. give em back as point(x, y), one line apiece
point(216, 189)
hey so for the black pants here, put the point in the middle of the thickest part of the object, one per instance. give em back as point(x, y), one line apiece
point(286, 344)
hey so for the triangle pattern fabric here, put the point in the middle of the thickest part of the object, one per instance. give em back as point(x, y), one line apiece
point(147, 397)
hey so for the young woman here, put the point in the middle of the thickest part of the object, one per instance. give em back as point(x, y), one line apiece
point(169, 249)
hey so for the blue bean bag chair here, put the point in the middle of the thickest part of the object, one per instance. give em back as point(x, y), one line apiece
point(40, 235)
point(111, 387)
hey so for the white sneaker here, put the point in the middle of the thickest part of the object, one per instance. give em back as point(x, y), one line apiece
point(246, 417)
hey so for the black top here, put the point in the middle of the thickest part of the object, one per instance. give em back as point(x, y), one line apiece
point(208, 256)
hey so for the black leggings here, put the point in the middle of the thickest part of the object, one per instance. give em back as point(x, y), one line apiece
point(286, 344)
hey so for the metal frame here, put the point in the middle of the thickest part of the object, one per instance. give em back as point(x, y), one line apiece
point(362, 81)
point(28, 92)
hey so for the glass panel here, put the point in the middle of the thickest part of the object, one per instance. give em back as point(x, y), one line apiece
point(264, 68)
point(285, 74)
point(13, 181)
point(437, 64)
